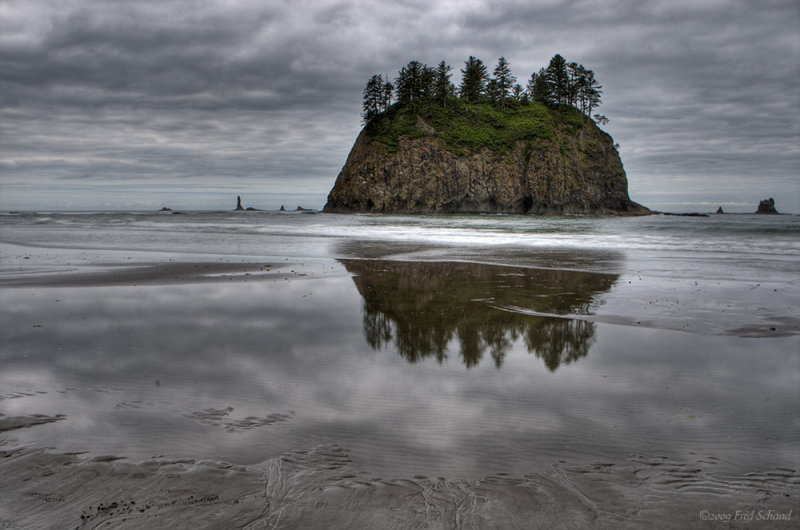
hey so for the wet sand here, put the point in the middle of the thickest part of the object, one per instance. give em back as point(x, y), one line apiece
point(320, 488)
point(79, 362)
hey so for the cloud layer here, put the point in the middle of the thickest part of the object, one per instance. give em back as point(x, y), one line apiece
point(98, 98)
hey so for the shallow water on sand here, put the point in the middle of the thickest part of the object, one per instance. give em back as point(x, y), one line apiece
point(418, 368)
point(625, 384)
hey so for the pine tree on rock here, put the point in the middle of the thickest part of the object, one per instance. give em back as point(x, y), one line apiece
point(414, 84)
point(558, 80)
point(473, 80)
point(519, 94)
point(373, 102)
point(538, 89)
point(386, 95)
point(575, 75)
point(589, 93)
point(443, 89)
point(503, 81)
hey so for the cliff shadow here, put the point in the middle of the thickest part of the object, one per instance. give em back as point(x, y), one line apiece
point(422, 307)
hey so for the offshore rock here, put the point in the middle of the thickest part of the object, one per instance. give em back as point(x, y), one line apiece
point(767, 206)
point(576, 171)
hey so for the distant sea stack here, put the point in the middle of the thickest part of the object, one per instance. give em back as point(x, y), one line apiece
point(534, 160)
point(239, 207)
point(767, 206)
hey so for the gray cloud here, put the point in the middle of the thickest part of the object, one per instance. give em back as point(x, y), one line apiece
point(268, 93)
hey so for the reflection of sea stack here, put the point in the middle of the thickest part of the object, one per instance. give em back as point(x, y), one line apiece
point(239, 204)
point(449, 309)
point(767, 206)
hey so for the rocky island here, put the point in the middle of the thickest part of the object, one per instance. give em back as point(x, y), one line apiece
point(487, 152)
point(767, 206)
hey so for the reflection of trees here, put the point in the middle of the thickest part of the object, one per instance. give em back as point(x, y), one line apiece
point(560, 341)
point(422, 307)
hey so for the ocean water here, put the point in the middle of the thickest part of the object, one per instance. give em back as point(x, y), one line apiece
point(661, 351)
point(731, 272)
point(751, 243)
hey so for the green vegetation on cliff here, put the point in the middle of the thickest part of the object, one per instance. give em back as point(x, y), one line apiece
point(471, 127)
point(483, 112)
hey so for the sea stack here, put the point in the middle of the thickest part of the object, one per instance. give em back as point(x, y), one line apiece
point(548, 162)
point(767, 206)
point(720, 210)
point(239, 204)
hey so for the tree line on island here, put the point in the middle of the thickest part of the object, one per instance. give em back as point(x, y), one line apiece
point(561, 84)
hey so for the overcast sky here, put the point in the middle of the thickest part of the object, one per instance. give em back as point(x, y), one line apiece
point(139, 104)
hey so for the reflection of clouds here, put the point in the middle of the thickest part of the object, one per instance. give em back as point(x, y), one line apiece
point(265, 348)
point(737, 396)
point(209, 345)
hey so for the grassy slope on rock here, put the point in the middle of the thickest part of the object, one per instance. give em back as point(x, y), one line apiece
point(471, 127)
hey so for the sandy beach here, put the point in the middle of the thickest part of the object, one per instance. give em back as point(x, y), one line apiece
point(382, 385)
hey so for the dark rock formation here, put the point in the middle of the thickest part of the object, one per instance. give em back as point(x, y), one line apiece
point(240, 208)
point(577, 170)
point(687, 214)
point(767, 206)
point(282, 209)
point(720, 210)
point(165, 209)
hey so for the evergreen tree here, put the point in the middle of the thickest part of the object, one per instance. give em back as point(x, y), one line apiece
point(519, 94)
point(473, 80)
point(589, 93)
point(417, 84)
point(558, 80)
point(575, 78)
point(414, 84)
point(531, 86)
point(492, 92)
point(373, 97)
point(386, 95)
point(427, 83)
point(538, 88)
point(504, 82)
point(443, 89)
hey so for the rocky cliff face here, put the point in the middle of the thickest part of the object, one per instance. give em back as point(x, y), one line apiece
point(576, 170)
